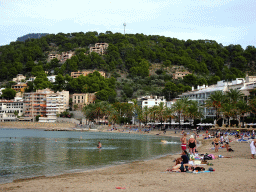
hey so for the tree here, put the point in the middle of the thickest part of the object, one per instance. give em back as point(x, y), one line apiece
point(170, 90)
point(180, 107)
point(8, 93)
point(160, 111)
point(97, 110)
point(167, 63)
point(233, 97)
point(216, 101)
point(193, 111)
point(41, 81)
point(145, 112)
point(243, 108)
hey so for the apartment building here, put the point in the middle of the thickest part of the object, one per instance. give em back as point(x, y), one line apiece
point(46, 104)
point(8, 109)
point(202, 93)
point(151, 101)
point(53, 56)
point(85, 73)
point(19, 78)
point(66, 55)
point(177, 74)
point(20, 87)
point(99, 48)
point(82, 99)
point(61, 57)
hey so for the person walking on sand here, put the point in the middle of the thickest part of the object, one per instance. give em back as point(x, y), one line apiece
point(216, 143)
point(183, 142)
point(99, 145)
point(192, 145)
point(253, 146)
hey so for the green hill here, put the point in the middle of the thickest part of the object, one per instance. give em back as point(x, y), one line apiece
point(141, 64)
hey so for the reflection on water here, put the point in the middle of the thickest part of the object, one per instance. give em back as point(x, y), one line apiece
point(28, 153)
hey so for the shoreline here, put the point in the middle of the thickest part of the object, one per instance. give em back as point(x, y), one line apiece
point(235, 173)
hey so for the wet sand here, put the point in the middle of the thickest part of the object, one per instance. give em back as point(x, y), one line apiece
point(231, 174)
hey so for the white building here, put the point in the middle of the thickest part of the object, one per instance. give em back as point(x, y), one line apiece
point(202, 93)
point(151, 101)
point(31, 79)
point(1, 91)
point(51, 78)
point(56, 103)
point(8, 108)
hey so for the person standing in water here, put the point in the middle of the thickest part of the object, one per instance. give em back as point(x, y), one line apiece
point(99, 145)
point(183, 142)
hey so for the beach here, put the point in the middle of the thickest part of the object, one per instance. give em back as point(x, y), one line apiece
point(231, 174)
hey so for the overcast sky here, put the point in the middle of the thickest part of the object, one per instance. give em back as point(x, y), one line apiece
point(226, 21)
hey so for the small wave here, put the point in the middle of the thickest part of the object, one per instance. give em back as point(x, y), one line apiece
point(169, 142)
point(91, 148)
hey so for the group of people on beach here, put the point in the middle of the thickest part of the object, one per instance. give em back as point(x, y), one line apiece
point(191, 143)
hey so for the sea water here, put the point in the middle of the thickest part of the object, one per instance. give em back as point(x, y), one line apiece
point(26, 153)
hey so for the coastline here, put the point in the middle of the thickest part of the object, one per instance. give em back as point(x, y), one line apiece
point(236, 173)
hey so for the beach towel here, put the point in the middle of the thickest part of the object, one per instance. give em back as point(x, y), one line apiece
point(211, 155)
point(200, 172)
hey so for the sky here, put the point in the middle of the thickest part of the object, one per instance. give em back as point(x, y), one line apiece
point(225, 21)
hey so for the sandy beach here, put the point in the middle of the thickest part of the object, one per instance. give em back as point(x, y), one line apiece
point(231, 174)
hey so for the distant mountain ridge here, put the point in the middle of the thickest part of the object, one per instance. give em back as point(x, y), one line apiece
point(31, 35)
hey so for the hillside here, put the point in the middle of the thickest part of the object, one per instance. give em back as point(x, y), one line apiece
point(31, 35)
point(141, 64)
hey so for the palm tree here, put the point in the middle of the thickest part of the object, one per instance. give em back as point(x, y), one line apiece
point(216, 101)
point(137, 111)
point(180, 107)
point(193, 110)
point(97, 110)
point(243, 108)
point(146, 112)
point(228, 111)
point(160, 112)
point(153, 113)
point(233, 96)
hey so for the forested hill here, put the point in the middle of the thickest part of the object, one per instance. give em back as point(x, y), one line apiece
point(31, 35)
point(141, 64)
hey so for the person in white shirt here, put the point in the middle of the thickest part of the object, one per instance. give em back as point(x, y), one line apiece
point(252, 146)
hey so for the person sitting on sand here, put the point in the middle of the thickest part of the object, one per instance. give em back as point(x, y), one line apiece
point(226, 139)
point(180, 168)
point(99, 145)
point(216, 143)
point(192, 145)
point(184, 157)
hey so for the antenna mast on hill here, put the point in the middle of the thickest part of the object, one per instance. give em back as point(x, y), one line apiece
point(124, 27)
